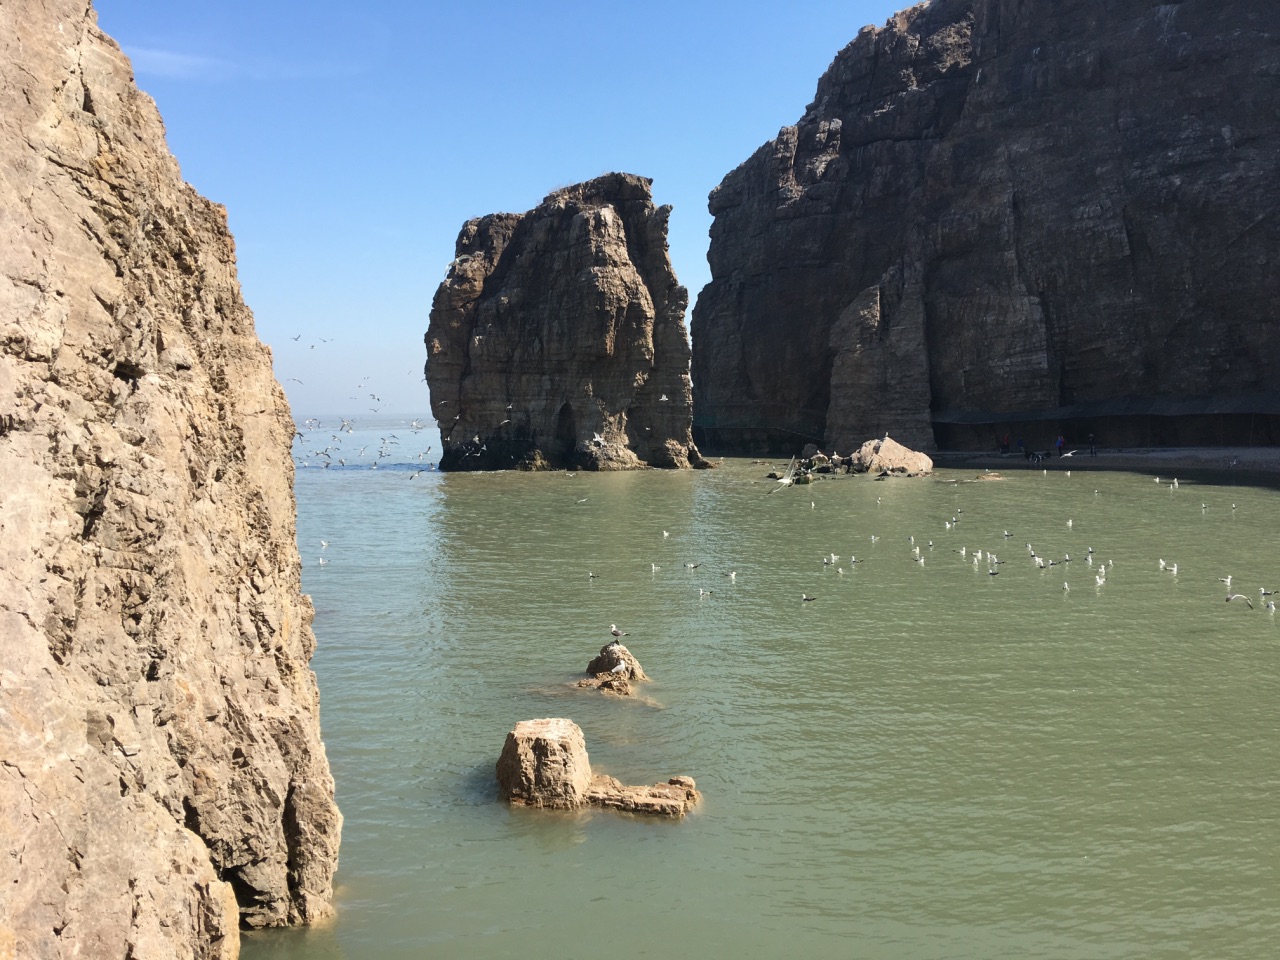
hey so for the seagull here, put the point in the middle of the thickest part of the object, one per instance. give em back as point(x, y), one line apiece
point(583, 500)
point(703, 593)
point(592, 576)
point(620, 668)
point(1066, 587)
point(1239, 596)
point(1163, 564)
point(324, 544)
point(1071, 453)
point(665, 534)
point(1264, 592)
point(732, 575)
point(613, 629)
point(1101, 579)
point(993, 573)
point(1070, 523)
point(1173, 568)
point(693, 566)
point(806, 598)
point(323, 561)
point(1226, 580)
point(654, 568)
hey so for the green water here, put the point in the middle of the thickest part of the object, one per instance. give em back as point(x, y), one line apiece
point(926, 761)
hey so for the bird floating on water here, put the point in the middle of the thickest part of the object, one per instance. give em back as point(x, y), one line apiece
point(806, 598)
point(1226, 580)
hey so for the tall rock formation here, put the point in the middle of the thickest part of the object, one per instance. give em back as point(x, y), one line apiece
point(1041, 214)
point(557, 338)
point(162, 777)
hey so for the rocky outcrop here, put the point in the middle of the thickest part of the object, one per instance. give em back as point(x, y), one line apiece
point(162, 777)
point(617, 660)
point(889, 457)
point(1046, 212)
point(557, 338)
point(544, 763)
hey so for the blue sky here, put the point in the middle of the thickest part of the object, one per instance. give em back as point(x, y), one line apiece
point(350, 142)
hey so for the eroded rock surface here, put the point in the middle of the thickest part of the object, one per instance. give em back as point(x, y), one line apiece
point(162, 776)
point(557, 339)
point(1034, 210)
point(544, 763)
point(616, 660)
point(889, 456)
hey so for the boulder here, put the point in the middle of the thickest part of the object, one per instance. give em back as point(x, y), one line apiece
point(614, 661)
point(887, 456)
point(544, 764)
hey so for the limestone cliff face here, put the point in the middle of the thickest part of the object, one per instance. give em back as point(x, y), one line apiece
point(1020, 206)
point(162, 776)
point(557, 338)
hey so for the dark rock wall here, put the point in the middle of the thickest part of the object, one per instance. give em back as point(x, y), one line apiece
point(557, 338)
point(995, 209)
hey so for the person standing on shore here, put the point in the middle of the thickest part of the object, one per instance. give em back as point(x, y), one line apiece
point(1093, 446)
point(1061, 442)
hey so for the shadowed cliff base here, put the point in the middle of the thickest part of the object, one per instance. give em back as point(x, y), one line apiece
point(1006, 207)
point(557, 338)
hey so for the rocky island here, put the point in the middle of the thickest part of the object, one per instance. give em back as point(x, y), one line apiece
point(1045, 217)
point(557, 339)
point(162, 777)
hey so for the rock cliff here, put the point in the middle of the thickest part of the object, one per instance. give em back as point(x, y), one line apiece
point(557, 338)
point(162, 777)
point(1041, 215)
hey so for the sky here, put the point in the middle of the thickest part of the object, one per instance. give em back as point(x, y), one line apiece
point(351, 141)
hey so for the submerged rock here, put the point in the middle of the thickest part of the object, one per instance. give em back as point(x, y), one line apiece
point(544, 764)
point(163, 778)
point(557, 339)
point(887, 456)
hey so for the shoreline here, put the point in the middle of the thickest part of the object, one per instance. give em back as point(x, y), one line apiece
point(1224, 460)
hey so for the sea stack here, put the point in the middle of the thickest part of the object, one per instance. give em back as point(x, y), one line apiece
point(557, 338)
point(163, 778)
point(1044, 217)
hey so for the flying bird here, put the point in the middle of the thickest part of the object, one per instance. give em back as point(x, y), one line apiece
point(1239, 596)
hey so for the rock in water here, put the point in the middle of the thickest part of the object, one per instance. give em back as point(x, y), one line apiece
point(544, 764)
point(614, 658)
point(557, 339)
point(889, 456)
point(1044, 209)
point(163, 777)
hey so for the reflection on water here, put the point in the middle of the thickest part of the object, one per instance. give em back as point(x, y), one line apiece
point(926, 761)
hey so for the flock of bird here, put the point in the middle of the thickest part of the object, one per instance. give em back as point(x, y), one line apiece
point(984, 559)
point(335, 454)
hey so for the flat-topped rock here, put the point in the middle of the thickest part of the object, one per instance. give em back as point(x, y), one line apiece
point(544, 763)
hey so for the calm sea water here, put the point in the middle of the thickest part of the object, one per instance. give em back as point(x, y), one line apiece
point(926, 761)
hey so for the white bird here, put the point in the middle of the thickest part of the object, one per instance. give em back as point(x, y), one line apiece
point(805, 597)
point(1101, 579)
point(323, 561)
point(964, 551)
point(1271, 606)
point(654, 568)
point(613, 629)
point(732, 575)
point(1162, 564)
point(1070, 523)
point(874, 538)
point(1066, 587)
point(324, 544)
point(1239, 596)
point(1226, 580)
point(703, 593)
point(1173, 568)
point(665, 534)
point(620, 668)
